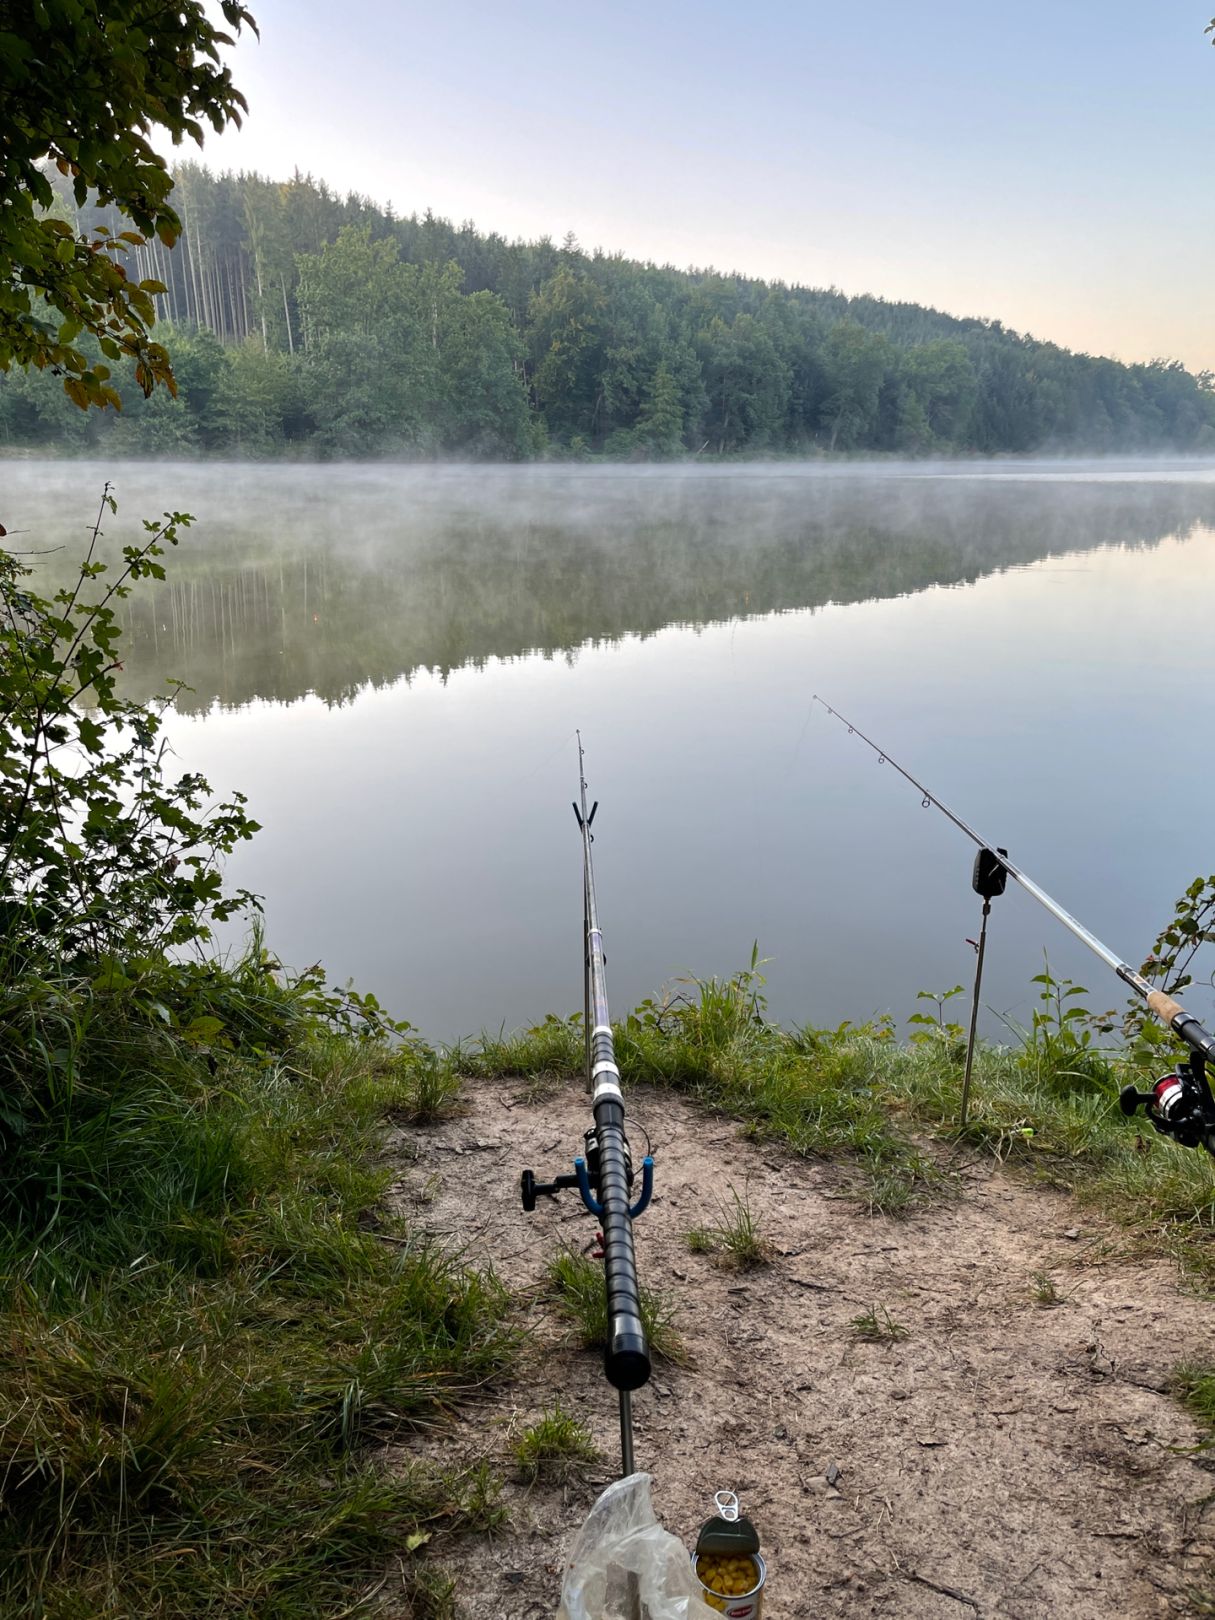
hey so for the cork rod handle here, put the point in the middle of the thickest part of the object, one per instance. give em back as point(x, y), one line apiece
point(1165, 1008)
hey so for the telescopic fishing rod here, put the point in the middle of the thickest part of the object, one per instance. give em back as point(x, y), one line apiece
point(604, 1177)
point(1179, 1105)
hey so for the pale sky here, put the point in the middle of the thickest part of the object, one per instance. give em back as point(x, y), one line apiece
point(1047, 164)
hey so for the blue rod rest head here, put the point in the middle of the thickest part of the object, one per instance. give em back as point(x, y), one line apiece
point(584, 1187)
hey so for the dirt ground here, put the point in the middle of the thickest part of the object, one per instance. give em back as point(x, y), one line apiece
point(1005, 1458)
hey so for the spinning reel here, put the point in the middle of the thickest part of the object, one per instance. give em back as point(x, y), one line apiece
point(1179, 1105)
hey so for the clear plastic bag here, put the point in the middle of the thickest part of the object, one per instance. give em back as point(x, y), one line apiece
point(625, 1566)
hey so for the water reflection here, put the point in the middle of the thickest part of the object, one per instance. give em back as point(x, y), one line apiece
point(327, 580)
point(419, 839)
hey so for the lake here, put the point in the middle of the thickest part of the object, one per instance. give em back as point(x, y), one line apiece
point(391, 663)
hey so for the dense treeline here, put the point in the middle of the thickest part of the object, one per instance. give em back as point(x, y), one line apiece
point(303, 322)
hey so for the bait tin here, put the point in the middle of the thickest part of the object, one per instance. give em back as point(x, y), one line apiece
point(730, 1537)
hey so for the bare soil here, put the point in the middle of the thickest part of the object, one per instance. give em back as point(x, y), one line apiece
point(1006, 1458)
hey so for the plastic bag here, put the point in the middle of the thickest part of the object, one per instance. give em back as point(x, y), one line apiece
point(625, 1566)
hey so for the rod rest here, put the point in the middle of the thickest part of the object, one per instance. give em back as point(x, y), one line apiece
point(531, 1189)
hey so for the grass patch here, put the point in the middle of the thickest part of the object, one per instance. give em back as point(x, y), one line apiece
point(736, 1237)
point(1047, 1105)
point(817, 1091)
point(554, 1447)
point(820, 1092)
point(1196, 1387)
point(431, 1089)
point(203, 1333)
point(1065, 1128)
point(1045, 1291)
point(877, 1326)
point(542, 1056)
point(577, 1282)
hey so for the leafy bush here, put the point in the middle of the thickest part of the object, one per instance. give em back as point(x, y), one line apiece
point(104, 855)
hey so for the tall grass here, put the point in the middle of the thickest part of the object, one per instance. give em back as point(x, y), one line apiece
point(816, 1090)
point(205, 1333)
point(540, 1057)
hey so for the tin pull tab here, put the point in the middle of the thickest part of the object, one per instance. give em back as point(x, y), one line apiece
point(726, 1504)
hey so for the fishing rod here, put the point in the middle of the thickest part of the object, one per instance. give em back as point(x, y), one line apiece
point(1180, 1104)
point(604, 1177)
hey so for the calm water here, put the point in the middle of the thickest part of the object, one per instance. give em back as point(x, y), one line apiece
point(391, 663)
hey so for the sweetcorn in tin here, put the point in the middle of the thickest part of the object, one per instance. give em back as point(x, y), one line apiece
point(727, 1562)
point(734, 1586)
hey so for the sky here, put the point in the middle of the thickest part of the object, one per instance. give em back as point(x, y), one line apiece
point(1046, 164)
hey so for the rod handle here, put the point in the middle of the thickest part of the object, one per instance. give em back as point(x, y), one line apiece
point(1182, 1023)
point(1165, 1008)
point(626, 1358)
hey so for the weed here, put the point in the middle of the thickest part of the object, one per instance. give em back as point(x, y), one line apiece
point(578, 1283)
point(432, 1087)
point(1196, 1387)
point(479, 1490)
point(877, 1326)
point(736, 1237)
point(1045, 1291)
point(554, 1446)
point(945, 1035)
point(1058, 1047)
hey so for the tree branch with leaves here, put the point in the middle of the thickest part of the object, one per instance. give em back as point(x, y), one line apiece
point(82, 85)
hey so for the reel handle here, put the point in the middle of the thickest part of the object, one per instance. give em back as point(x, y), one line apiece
point(530, 1189)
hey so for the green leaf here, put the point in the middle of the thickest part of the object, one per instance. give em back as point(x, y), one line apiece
point(111, 978)
point(203, 1029)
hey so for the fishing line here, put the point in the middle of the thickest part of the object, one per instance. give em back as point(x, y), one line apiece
point(552, 754)
point(801, 737)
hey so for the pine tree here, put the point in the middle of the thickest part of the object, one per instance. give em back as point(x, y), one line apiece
point(660, 420)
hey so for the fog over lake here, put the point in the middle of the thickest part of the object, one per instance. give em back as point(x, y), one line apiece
point(391, 663)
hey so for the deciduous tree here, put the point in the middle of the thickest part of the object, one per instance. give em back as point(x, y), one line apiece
point(81, 85)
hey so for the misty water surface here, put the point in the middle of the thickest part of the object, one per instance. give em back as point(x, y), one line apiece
point(391, 663)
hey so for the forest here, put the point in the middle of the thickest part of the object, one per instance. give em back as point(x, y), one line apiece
point(308, 324)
